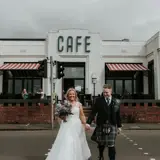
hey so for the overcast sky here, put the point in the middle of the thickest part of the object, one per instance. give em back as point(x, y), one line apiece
point(137, 20)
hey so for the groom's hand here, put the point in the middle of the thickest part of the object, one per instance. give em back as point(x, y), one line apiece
point(87, 127)
point(119, 130)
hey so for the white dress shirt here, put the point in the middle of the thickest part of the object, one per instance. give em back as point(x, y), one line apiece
point(108, 100)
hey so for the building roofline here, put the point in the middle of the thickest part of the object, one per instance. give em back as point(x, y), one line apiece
point(112, 40)
point(22, 39)
point(152, 38)
point(117, 40)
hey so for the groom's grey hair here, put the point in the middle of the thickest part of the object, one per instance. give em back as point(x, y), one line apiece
point(108, 86)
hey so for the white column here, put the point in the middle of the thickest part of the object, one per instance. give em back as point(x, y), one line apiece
point(87, 91)
point(47, 83)
point(157, 74)
point(1, 82)
point(145, 79)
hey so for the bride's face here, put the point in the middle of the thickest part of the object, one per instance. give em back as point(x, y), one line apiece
point(71, 96)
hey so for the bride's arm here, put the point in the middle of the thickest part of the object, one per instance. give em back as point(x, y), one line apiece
point(58, 120)
point(82, 116)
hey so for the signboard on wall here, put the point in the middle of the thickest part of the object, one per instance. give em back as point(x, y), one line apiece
point(74, 44)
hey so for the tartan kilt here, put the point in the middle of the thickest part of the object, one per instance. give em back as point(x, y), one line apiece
point(100, 137)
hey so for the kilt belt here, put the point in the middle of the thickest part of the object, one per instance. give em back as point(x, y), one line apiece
point(105, 134)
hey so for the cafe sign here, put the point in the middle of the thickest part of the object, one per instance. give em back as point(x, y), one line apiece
point(74, 44)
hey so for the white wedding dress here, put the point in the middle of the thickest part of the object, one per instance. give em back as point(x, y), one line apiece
point(70, 143)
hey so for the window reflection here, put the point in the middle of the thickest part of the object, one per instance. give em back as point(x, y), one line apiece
point(111, 82)
point(36, 85)
point(119, 87)
point(10, 86)
point(128, 86)
point(79, 84)
point(135, 90)
point(18, 86)
point(122, 86)
point(74, 72)
point(28, 85)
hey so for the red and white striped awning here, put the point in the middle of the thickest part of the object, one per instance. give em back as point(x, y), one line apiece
point(126, 67)
point(20, 66)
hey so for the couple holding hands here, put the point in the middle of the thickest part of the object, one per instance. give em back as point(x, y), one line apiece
point(71, 143)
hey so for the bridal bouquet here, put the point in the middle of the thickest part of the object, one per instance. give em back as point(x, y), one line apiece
point(63, 110)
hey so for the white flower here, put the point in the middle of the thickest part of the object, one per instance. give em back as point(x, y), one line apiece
point(58, 105)
point(66, 106)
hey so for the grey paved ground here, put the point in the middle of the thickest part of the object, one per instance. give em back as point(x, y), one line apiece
point(129, 126)
point(25, 127)
point(33, 145)
point(141, 126)
point(148, 140)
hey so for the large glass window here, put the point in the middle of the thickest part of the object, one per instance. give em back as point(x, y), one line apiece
point(135, 87)
point(119, 87)
point(111, 82)
point(36, 85)
point(10, 86)
point(18, 86)
point(74, 72)
point(15, 86)
point(28, 85)
point(128, 86)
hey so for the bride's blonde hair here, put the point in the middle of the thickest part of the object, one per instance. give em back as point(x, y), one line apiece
point(69, 90)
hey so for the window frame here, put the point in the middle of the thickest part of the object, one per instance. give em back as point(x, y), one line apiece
point(123, 83)
point(5, 88)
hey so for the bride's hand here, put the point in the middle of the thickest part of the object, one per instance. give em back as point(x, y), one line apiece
point(63, 118)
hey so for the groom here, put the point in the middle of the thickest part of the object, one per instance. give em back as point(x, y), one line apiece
point(108, 122)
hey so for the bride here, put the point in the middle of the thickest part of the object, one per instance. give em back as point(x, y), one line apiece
point(71, 143)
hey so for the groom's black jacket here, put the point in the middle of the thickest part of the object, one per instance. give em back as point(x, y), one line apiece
point(105, 113)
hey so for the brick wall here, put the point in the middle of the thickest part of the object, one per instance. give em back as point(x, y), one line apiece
point(22, 113)
point(139, 112)
point(25, 114)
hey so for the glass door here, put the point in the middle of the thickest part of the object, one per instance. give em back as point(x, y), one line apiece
point(79, 85)
point(74, 76)
point(68, 83)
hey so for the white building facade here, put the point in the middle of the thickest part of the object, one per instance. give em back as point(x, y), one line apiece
point(124, 64)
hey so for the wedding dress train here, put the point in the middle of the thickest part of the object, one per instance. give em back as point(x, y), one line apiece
point(70, 143)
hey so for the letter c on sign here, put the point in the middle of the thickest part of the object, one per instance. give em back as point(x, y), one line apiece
point(60, 47)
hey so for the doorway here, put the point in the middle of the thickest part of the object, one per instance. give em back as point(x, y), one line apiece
point(74, 77)
point(73, 83)
point(68, 83)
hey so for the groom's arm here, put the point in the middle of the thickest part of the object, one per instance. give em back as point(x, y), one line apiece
point(93, 112)
point(118, 117)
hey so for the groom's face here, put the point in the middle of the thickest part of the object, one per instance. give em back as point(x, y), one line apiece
point(107, 92)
